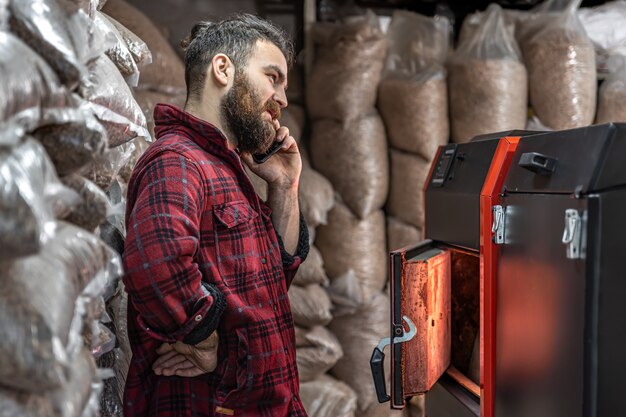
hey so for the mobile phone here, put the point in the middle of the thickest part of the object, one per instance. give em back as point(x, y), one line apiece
point(259, 158)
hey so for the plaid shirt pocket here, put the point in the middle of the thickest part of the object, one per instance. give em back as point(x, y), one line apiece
point(236, 233)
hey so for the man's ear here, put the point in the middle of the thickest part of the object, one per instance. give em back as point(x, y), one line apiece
point(222, 69)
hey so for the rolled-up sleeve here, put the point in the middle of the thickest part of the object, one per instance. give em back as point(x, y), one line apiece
point(163, 281)
point(291, 263)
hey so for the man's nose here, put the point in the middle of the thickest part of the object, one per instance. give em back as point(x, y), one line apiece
point(281, 98)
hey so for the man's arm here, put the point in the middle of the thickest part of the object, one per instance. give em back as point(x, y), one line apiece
point(285, 214)
point(163, 282)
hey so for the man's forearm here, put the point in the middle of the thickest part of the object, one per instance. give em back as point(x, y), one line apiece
point(285, 215)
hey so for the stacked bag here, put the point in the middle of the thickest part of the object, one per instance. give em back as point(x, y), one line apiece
point(348, 145)
point(68, 124)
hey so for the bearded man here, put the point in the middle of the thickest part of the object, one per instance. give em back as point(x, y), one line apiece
point(207, 262)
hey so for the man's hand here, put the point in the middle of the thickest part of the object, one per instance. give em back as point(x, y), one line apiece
point(181, 359)
point(283, 168)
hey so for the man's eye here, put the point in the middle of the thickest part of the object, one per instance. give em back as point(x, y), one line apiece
point(273, 78)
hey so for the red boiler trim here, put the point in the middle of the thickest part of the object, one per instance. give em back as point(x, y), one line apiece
point(489, 197)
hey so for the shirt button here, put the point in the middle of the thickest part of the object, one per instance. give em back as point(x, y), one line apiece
point(263, 261)
point(286, 350)
point(275, 307)
point(198, 317)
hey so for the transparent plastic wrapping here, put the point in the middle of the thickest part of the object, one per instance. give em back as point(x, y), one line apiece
point(40, 328)
point(118, 53)
point(316, 197)
point(561, 65)
point(416, 43)
point(346, 72)
point(139, 50)
point(472, 22)
point(100, 340)
point(104, 169)
point(72, 137)
point(358, 333)
point(346, 294)
point(28, 84)
point(353, 156)
point(319, 355)
point(93, 207)
point(139, 146)
point(31, 196)
point(310, 305)
point(113, 102)
point(166, 73)
point(367, 258)
point(311, 271)
point(328, 397)
point(412, 97)
point(606, 27)
point(487, 81)
point(56, 34)
point(612, 97)
point(401, 234)
point(406, 198)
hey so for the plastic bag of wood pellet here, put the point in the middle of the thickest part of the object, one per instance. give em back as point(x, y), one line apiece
point(311, 271)
point(406, 198)
point(353, 156)
point(64, 36)
point(72, 137)
point(345, 76)
point(412, 97)
point(118, 53)
point(348, 243)
point(401, 234)
point(93, 207)
point(113, 103)
point(167, 71)
point(358, 334)
point(69, 400)
point(310, 305)
point(28, 84)
point(316, 197)
point(612, 97)
point(104, 169)
point(42, 303)
point(320, 353)
point(328, 397)
point(487, 81)
point(31, 196)
point(139, 50)
point(560, 60)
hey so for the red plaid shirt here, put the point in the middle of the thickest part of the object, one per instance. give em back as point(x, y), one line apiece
point(201, 254)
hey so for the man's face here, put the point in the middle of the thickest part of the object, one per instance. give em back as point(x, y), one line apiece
point(252, 105)
point(243, 110)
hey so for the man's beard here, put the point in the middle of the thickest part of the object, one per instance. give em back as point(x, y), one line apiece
point(242, 110)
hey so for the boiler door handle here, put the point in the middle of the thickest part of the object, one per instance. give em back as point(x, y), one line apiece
point(378, 372)
point(538, 163)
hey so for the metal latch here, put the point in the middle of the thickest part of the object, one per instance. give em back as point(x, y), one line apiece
point(497, 228)
point(378, 357)
point(574, 236)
